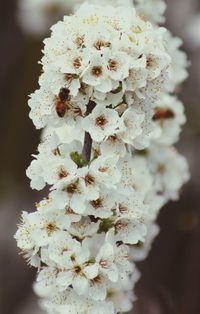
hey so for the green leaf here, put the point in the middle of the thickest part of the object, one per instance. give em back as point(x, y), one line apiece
point(78, 159)
point(105, 225)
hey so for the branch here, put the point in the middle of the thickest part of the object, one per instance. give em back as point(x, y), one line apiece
point(87, 147)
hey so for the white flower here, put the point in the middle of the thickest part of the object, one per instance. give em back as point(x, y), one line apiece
point(73, 191)
point(122, 295)
point(101, 123)
point(77, 272)
point(179, 63)
point(59, 168)
point(113, 259)
point(84, 228)
point(35, 173)
point(23, 235)
point(45, 284)
point(132, 125)
point(113, 146)
point(106, 170)
point(155, 202)
point(130, 231)
point(170, 170)
point(36, 16)
point(135, 175)
point(70, 302)
point(118, 65)
point(105, 259)
point(152, 10)
point(102, 206)
point(41, 104)
point(45, 225)
point(95, 73)
point(62, 248)
point(125, 3)
point(66, 134)
point(131, 206)
point(141, 251)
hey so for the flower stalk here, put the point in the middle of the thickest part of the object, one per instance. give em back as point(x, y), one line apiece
point(87, 146)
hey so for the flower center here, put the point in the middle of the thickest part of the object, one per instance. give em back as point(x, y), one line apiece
point(79, 41)
point(89, 179)
point(77, 63)
point(101, 120)
point(123, 208)
point(97, 203)
point(77, 269)
point(97, 71)
point(62, 173)
point(112, 65)
point(103, 263)
point(150, 62)
point(103, 169)
point(50, 228)
point(71, 188)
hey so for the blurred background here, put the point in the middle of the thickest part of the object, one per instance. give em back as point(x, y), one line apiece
point(170, 281)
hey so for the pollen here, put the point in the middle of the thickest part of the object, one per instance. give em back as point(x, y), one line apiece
point(137, 29)
point(112, 65)
point(71, 188)
point(77, 63)
point(97, 203)
point(101, 121)
point(91, 20)
point(89, 179)
point(62, 173)
point(50, 228)
point(97, 71)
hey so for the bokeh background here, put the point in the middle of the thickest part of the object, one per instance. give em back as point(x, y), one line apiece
point(171, 275)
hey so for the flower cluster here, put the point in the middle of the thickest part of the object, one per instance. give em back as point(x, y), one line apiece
point(36, 16)
point(109, 125)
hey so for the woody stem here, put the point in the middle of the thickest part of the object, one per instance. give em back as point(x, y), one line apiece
point(87, 146)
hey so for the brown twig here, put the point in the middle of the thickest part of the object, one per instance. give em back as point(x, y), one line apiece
point(87, 146)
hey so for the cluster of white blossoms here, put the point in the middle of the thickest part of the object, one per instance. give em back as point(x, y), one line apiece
point(37, 16)
point(110, 119)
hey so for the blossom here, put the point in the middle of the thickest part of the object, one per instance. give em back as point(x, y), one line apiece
point(102, 123)
point(77, 272)
point(122, 295)
point(178, 67)
point(170, 170)
point(152, 10)
point(37, 16)
point(109, 117)
point(69, 302)
point(96, 63)
point(61, 165)
point(113, 259)
point(140, 252)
